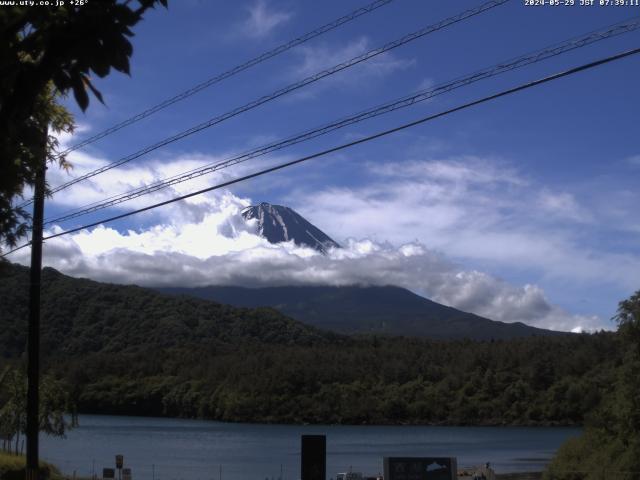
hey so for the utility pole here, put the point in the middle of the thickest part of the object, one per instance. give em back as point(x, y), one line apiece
point(33, 342)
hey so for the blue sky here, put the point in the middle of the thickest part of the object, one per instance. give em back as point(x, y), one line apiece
point(524, 208)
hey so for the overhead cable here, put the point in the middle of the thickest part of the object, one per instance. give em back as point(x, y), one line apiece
point(344, 146)
point(231, 72)
point(426, 94)
point(288, 89)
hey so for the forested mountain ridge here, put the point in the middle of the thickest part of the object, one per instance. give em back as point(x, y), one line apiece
point(80, 316)
point(382, 310)
point(130, 350)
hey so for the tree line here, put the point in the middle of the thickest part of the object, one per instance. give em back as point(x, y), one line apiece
point(116, 349)
point(610, 444)
point(130, 350)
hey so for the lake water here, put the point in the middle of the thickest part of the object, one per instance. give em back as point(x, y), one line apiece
point(167, 449)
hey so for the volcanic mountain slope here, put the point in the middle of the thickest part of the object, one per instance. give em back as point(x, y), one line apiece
point(281, 224)
point(380, 309)
point(383, 309)
point(127, 350)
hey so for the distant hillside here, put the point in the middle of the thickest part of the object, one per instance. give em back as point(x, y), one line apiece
point(381, 310)
point(134, 351)
point(81, 316)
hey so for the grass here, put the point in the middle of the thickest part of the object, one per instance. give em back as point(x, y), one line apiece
point(12, 468)
point(520, 476)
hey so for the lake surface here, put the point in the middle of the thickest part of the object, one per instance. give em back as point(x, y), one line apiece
point(167, 449)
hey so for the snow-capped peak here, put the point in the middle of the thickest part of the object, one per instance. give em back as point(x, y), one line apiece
point(278, 224)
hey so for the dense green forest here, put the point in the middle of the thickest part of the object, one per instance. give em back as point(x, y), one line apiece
point(363, 381)
point(610, 444)
point(129, 350)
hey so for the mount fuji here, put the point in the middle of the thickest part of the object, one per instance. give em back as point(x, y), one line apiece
point(281, 224)
point(355, 309)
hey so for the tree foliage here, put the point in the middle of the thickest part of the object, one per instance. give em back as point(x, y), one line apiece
point(54, 404)
point(628, 320)
point(37, 140)
point(45, 52)
point(130, 350)
point(610, 445)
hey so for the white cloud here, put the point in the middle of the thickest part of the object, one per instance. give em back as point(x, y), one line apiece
point(137, 174)
point(460, 170)
point(634, 160)
point(469, 207)
point(426, 84)
point(221, 249)
point(563, 205)
point(262, 20)
point(122, 179)
point(480, 211)
point(314, 59)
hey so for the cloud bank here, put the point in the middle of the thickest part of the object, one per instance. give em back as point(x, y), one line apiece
point(473, 209)
point(220, 248)
point(484, 211)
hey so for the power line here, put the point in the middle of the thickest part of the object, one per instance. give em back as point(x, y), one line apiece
point(344, 146)
point(229, 73)
point(502, 67)
point(288, 89)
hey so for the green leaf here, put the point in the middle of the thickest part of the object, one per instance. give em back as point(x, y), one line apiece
point(95, 91)
point(79, 91)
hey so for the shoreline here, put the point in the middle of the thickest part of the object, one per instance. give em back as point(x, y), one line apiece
point(471, 446)
point(341, 424)
point(12, 464)
point(519, 476)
